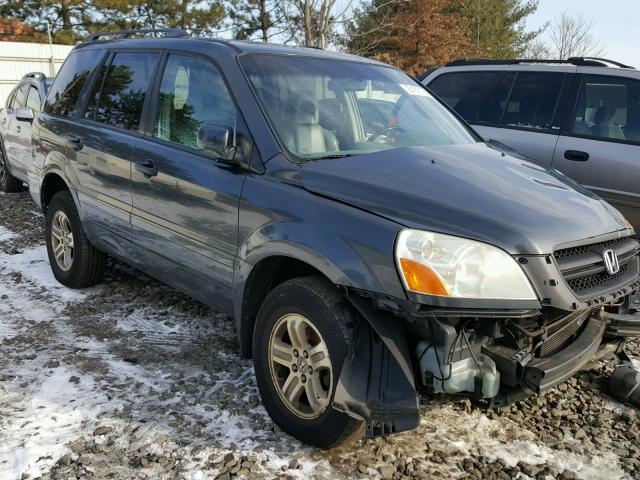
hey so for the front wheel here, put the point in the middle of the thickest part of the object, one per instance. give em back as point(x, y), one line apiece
point(299, 345)
point(74, 261)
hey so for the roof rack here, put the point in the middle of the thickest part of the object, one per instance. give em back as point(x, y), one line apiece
point(578, 61)
point(168, 33)
point(38, 75)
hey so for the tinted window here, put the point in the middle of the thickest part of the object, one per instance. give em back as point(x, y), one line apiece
point(11, 99)
point(33, 99)
point(192, 94)
point(127, 81)
point(461, 91)
point(534, 100)
point(20, 99)
point(494, 107)
point(67, 86)
point(608, 108)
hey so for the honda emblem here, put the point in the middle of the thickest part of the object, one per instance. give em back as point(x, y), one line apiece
point(611, 263)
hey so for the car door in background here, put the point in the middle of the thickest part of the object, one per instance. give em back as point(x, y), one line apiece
point(600, 145)
point(23, 130)
point(185, 202)
point(523, 110)
point(101, 143)
point(12, 129)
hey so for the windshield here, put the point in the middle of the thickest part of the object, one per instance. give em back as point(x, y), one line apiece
point(323, 108)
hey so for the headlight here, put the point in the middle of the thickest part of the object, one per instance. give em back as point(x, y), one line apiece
point(437, 264)
point(628, 225)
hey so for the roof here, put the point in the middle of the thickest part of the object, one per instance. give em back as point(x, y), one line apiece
point(180, 39)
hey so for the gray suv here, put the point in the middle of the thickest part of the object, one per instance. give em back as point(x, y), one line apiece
point(366, 242)
point(580, 116)
point(15, 129)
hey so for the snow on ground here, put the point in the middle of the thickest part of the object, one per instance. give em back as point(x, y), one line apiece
point(131, 380)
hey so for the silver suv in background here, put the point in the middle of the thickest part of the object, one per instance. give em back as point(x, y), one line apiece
point(580, 116)
point(16, 117)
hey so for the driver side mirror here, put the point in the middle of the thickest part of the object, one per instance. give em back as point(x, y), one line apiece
point(217, 140)
point(25, 114)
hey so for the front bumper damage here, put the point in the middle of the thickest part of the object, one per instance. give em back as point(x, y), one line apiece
point(383, 373)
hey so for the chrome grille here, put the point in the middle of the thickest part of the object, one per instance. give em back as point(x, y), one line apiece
point(583, 266)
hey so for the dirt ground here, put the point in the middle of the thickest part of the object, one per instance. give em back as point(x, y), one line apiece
point(132, 380)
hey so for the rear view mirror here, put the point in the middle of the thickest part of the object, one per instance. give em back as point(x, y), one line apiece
point(25, 114)
point(217, 140)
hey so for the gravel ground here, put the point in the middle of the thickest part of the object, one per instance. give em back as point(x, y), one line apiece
point(132, 380)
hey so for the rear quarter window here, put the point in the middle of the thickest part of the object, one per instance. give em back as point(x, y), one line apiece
point(462, 90)
point(65, 91)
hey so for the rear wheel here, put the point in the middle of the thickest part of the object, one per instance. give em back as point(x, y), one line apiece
point(299, 345)
point(74, 261)
point(8, 183)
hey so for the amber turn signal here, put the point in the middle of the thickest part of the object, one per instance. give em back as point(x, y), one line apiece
point(423, 279)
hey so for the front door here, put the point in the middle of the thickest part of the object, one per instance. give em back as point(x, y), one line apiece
point(185, 202)
point(601, 147)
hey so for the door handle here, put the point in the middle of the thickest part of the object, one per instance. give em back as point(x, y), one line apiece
point(74, 142)
point(147, 168)
point(576, 155)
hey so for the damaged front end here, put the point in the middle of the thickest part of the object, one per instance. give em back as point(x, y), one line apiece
point(494, 355)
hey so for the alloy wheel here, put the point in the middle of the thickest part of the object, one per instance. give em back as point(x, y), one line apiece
point(62, 240)
point(300, 366)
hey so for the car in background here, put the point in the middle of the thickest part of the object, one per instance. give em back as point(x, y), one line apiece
point(16, 117)
point(580, 116)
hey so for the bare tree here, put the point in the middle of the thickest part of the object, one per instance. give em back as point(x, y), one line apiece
point(317, 19)
point(537, 50)
point(572, 36)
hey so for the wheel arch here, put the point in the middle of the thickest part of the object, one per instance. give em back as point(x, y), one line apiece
point(53, 181)
point(260, 278)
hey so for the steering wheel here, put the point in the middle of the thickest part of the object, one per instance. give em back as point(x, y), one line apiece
point(384, 131)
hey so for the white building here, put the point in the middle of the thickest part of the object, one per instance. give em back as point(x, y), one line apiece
point(18, 59)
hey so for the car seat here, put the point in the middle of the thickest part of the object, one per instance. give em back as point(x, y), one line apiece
point(306, 135)
point(603, 126)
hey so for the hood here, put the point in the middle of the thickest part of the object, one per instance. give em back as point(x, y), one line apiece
point(473, 191)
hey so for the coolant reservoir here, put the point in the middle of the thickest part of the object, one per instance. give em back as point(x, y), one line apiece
point(458, 376)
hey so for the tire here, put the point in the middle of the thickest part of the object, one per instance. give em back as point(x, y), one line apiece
point(316, 305)
point(8, 183)
point(85, 264)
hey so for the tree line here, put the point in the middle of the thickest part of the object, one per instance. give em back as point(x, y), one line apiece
point(411, 34)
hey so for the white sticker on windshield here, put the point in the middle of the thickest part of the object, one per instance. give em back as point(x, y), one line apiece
point(415, 90)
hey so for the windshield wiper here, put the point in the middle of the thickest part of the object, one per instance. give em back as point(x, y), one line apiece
point(335, 155)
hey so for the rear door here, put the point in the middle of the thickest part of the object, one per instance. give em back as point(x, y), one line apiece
point(101, 143)
point(185, 201)
point(525, 111)
point(600, 144)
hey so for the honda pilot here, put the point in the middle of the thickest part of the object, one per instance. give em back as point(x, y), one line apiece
point(365, 240)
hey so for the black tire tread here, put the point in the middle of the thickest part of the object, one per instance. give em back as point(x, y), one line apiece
point(10, 183)
point(93, 261)
point(343, 314)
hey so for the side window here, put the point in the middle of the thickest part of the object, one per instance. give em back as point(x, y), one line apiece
point(33, 99)
point(66, 88)
point(493, 109)
point(462, 90)
point(124, 85)
point(192, 94)
point(608, 108)
point(11, 99)
point(20, 99)
point(534, 100)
